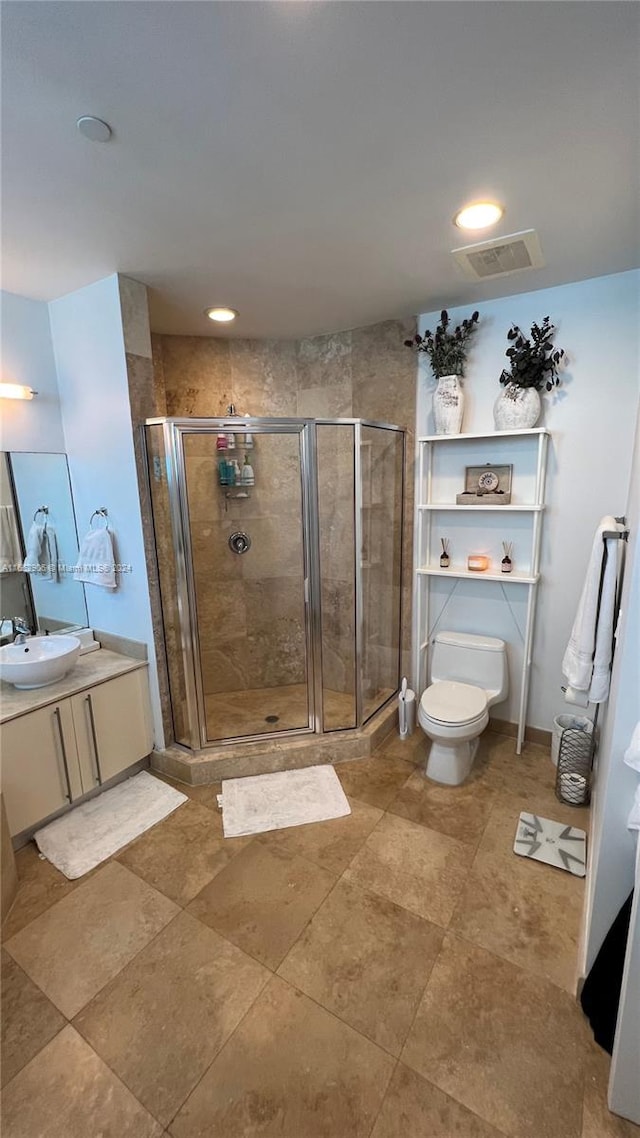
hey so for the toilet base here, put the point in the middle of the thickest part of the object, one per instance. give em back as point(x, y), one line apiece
point(450, 764)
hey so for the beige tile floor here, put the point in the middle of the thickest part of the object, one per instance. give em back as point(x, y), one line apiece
point(395, 974)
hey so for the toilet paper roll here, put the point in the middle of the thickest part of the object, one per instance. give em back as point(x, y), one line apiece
point(573, 787)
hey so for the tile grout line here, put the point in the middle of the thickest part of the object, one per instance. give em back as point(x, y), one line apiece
point(224, 1045)
point(121, 970)
point(446, 931)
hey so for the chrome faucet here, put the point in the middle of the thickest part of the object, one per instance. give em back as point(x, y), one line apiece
point(19, 628)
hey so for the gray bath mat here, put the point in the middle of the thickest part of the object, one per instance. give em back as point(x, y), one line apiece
point(91, 833)
point(285, 798)
point(564, 847)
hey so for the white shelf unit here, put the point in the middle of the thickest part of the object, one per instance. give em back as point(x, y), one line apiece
point(526, 450)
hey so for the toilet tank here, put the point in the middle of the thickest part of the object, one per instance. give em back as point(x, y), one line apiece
point(479, 660)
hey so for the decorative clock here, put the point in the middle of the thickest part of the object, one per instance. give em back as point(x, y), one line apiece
point(487, 485)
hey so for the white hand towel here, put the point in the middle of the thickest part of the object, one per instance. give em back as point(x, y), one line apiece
point(42, 552)
point(587, 659)
point(31, 563)
point(10, 552)
point(96, 562)
point(49, 566)
point(632, 753)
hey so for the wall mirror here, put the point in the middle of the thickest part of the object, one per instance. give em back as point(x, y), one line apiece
point(38, 544)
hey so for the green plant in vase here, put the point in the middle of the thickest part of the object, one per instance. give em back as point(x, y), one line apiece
point(447, 349)
point(533, 367)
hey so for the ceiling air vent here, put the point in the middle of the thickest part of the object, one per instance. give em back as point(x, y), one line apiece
point(502, 255)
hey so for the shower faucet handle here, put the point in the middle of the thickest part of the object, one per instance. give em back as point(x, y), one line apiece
point(239, 542)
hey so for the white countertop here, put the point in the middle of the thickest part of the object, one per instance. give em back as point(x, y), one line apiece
point(93, 668)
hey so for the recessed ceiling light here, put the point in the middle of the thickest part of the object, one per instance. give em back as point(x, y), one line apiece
point(94, 129)
point(221, 315)
point(480, 215)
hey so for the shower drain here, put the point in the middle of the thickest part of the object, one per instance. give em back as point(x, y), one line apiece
point(271, 718)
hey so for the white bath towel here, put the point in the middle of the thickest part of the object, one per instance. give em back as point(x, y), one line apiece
point(96, 562)
point(632, 753)
point(42, 552)
point(587, 659)
point(634, 816)
point(10, 551)
point(577, 698)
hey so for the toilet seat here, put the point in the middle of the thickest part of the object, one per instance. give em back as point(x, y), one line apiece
point(456, 704)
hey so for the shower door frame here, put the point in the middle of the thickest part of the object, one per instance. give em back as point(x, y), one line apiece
point(174, 430)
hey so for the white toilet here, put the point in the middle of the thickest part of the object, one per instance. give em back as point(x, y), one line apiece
point(468, 675)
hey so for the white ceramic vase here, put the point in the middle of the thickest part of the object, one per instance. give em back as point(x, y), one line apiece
point(516, 408)
point(448, 405)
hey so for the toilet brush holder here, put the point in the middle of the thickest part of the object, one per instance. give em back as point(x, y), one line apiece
point(406, 712)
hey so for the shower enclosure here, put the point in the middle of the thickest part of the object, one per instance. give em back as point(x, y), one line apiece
point(279, 547)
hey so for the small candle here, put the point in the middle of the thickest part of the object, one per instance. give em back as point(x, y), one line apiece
point(477, 562)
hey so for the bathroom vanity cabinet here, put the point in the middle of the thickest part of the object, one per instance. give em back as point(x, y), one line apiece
point(476, 528)
point(54, 755)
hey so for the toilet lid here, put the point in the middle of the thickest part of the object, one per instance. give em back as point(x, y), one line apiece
point(449, 702)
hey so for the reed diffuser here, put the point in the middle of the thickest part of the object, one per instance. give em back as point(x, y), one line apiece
point(507, 563)
point(444, 556)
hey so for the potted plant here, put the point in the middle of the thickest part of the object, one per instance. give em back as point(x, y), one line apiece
point(533, 367)
point(447, 351)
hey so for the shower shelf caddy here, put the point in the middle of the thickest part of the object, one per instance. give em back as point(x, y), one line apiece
point(530, 446)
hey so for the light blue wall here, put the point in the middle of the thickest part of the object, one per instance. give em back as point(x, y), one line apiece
point(89, 349)
point(27, 358)
point(592, 418)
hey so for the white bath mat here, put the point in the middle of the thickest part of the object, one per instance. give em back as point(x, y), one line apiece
point(564, 847)
point(286, 798)
point(84, 837)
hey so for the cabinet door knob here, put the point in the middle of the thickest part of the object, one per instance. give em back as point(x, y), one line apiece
point(58, 719)
point(94, 736)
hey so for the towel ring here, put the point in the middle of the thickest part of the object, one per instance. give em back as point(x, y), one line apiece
point(101, 512)
point(41, 510)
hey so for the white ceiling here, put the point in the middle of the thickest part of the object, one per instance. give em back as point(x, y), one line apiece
point(301, 161)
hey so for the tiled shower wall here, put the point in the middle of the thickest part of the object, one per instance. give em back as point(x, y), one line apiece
point(365, 372)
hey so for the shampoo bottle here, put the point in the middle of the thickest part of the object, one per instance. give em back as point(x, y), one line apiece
point(247, 472)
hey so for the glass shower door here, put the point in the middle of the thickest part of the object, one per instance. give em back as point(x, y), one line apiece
point(381, 480)
point(247, 526)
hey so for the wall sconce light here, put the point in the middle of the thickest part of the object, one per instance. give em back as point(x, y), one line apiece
point(16, 391)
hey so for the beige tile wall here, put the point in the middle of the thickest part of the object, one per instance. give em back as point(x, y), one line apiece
point(252, 625)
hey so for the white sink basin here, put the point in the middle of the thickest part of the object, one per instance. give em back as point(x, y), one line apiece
point(41, 660)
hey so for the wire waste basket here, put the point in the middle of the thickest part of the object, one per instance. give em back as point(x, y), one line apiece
point(575, 764)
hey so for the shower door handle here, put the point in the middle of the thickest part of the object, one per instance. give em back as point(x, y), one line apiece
point(306, 590)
